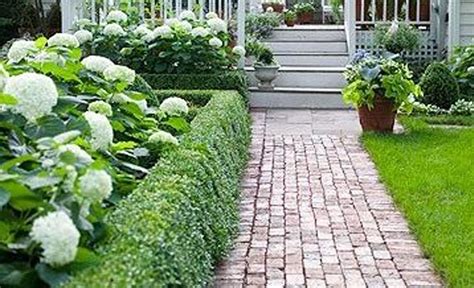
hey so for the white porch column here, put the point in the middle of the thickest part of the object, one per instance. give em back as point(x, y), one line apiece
point(240, 27)
point(68, 13)
point(350, 25)
point(453, 25)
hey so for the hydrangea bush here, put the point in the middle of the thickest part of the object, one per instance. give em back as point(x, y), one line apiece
point(74, 138)
point(183, 44)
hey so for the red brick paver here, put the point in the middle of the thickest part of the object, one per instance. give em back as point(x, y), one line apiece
point(314, 214)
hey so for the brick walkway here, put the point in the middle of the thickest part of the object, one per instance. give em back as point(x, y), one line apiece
point(314, 214)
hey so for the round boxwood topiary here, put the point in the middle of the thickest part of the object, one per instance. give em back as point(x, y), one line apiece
point(439, 86)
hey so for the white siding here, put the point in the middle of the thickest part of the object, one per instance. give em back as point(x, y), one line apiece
point(466, 29)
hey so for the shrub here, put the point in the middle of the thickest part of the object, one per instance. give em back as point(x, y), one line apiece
point(174, 227)
point(261, 25)
point(462, 67)
point(398, 37)
point(439, 86)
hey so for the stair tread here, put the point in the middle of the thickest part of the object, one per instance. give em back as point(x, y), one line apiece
point(304, 69)
point(311, 27)
point(345, 54)
point(270, 40)
point(298, 90)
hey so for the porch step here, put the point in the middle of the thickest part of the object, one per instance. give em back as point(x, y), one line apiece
point(309, 59)
point(321, 46)
point(293, 97)
point(309, 33)
point(304, 77)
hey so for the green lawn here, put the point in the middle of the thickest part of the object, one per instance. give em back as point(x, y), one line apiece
point(430, 173)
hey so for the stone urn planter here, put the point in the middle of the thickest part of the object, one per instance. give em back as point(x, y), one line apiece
point(266, 74)
point(381, 118)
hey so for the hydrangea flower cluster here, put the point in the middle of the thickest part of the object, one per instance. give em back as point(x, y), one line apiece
point(57, 236)
point(102, 133)
point(174, 106)
point(200, 32)
point(116, 16)
point(83, 36)
point(63, 40)
point(81, 156)
point(96, 185)
point(217, 25)
point(113, 30)
point(215, 42)
point(119, 73)
point(211, 15)
point(20, 50)
point(142, 30)
point(239, 50)
point(36, 95)
point(187, 15)
point(97, 63)
point(101, 107)
point(163, 137)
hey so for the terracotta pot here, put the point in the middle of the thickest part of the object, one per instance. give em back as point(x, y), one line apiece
point(305, 18)
point(290, 23)
point(278, 8)
point(380, 118)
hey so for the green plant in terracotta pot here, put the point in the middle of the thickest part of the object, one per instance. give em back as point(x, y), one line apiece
point(378, 87)
point(290, 18)
point(305, 12)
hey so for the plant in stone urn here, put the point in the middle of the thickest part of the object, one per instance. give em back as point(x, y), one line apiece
point(266, 67)
point(378, 87)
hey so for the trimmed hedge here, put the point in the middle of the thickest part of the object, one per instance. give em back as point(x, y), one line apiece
point(439, 86)
point(232, 80)
point(180, 220)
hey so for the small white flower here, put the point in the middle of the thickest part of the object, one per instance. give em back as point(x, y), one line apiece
point(162, 137)
point(211, 15)
point(102, 133)
point(163, 32)
point(3, 77)
point(239, 50)
point(269, 10)
point(101, 107)
point(113, 29)
point(57, 236)
point(116, 16)
point(215, 42)
point(96, 185)
point(119, 73)
point(142, 30)
point(83, 36)
point(19, 50)
point(36, 94)
point(217, 25)
point(63, 40)
point(470, 70)
point(200, 32)
point(174, 105)
point(97, 63)
point(187, 15)
point(81, 156)
point(183, 25)
point(81, 23)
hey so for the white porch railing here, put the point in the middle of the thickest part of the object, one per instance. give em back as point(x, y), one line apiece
point(415, 12)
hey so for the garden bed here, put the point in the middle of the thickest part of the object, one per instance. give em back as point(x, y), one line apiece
point(180, 220)
point(429, 174)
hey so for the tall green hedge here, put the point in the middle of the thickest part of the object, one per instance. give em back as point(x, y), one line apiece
point(232, 80)
point(180, 220)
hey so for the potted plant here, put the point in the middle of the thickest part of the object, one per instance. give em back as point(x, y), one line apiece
point(273, 6)
point(290, 18)
point(397, 37)
point(378, 87)
point(305, 12)
point(266, 67)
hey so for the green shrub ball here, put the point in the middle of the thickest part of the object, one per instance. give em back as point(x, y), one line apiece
point(439, 86)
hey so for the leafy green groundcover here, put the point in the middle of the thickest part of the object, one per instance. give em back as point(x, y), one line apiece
point(232, 80)
point(181, 219)
point(431, 177)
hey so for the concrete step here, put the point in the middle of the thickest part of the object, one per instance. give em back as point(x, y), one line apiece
point(292, 97)
point(305, 77)
point(321, 46)
point(312, 59)
point(309, 33)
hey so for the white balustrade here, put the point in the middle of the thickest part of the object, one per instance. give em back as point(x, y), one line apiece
point(415, 12)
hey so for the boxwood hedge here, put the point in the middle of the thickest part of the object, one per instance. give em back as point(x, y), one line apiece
point(180, 220)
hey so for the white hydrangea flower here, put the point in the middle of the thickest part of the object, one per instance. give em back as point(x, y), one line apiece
point(211, 15)
point(44, 57)
point(101, 107)
point(63, 40)
point(239, 50)
point(269, 10)
point(57, 236)
point(119, 73)
point(187, 15)
point(102, 133)
point(113, 29)
point(97, 63)
point(81, 23)
point(83, 36)
point(81, 156)
point(116, 16)
point(172, 21)
point(200, 32)
point(142, 30)
point(36, 94)
point(174, 105)
point(19, 50)
point(217, 25)
point(183, 25)
point(3, 77)
point(162, 137)
point(215, 42)
point(96, 185)
point(163, 32)
point(70, 180)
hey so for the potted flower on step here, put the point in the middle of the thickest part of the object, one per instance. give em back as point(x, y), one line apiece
point(266, 68)
point(273, 6)
point(290, 18)
point(305, 12)
point(378, 87)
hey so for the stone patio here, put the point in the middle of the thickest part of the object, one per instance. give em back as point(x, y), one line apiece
point(314, 214)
